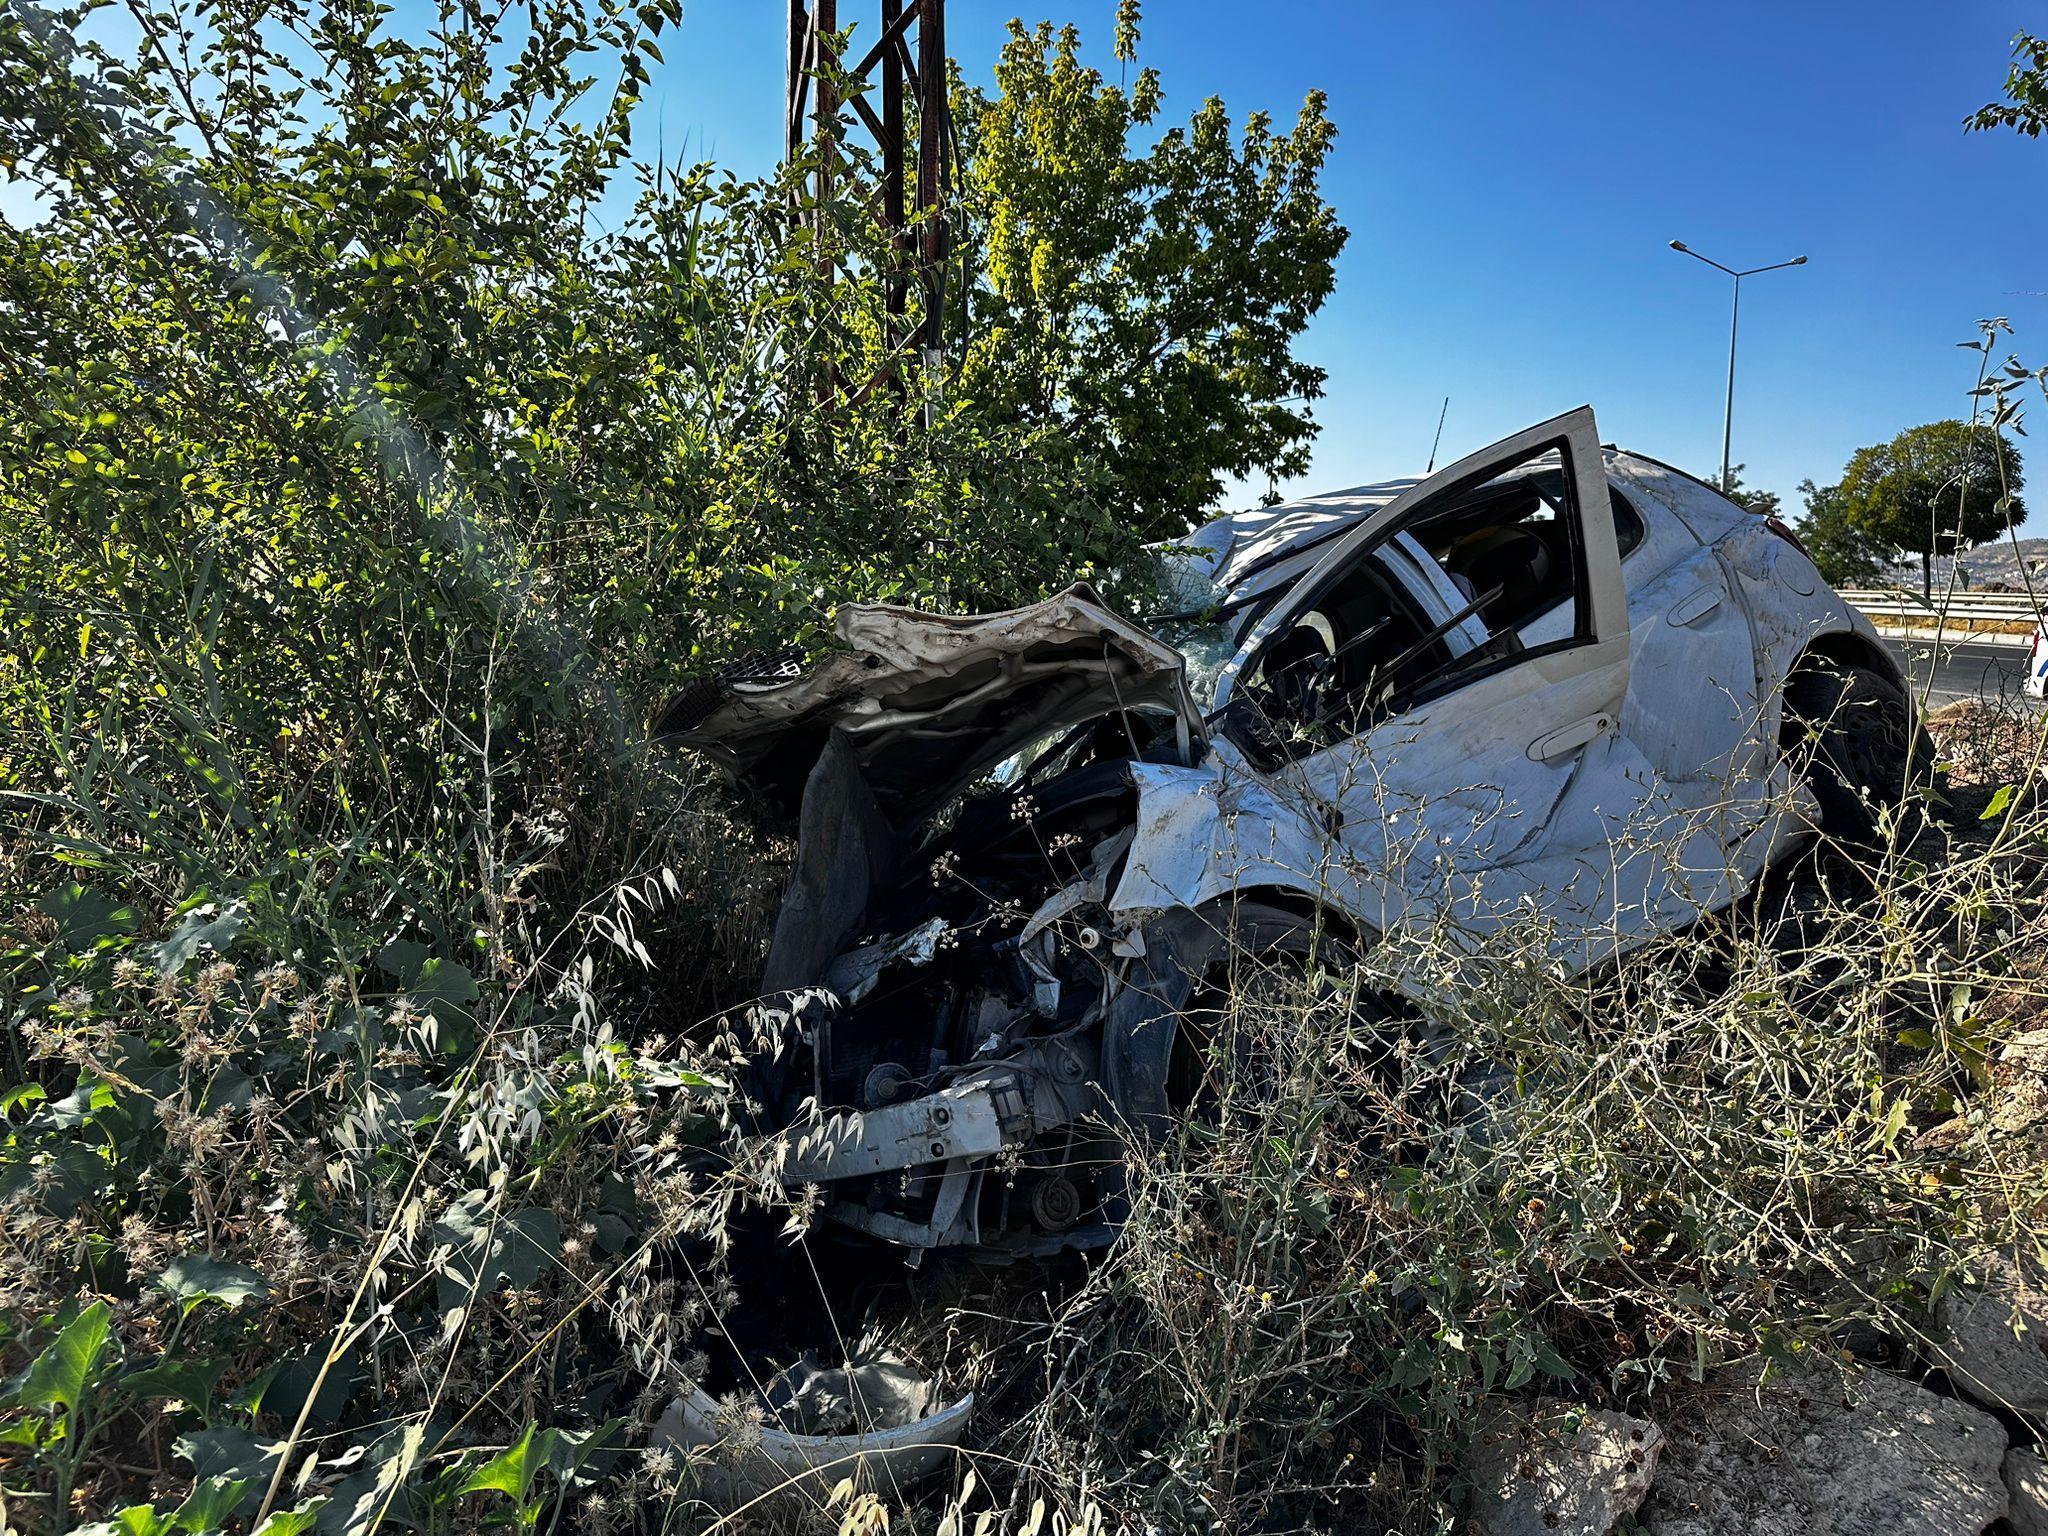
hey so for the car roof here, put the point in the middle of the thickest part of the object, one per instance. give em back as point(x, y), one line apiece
point(1249, 551)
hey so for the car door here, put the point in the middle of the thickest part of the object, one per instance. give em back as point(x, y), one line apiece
point(1436, 784)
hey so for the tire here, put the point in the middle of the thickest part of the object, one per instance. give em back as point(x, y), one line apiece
point(1850, 735)
point(1160, 1028)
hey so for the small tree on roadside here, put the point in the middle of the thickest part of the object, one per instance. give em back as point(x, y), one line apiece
point(1932, 490)
point(1140, 285)
point(1846, 555)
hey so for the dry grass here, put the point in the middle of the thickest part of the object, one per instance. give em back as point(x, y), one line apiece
point(1782, 1133)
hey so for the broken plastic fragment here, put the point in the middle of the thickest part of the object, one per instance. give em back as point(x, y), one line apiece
point(872, 1422)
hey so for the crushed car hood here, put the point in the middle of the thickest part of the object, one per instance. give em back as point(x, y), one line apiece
point(929, 702)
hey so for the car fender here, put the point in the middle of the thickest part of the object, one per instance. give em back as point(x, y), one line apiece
point(1222, 829)
point(1793, 613)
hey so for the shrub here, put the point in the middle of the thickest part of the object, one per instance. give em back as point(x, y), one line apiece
point(379, 446)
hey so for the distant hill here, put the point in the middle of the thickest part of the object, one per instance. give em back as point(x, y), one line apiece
point(1992, 565)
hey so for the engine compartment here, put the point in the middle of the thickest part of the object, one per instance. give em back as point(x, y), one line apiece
point(987, 964)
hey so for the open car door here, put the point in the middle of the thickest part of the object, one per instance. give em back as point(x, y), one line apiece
point(1568, 621)
point(1439, 679)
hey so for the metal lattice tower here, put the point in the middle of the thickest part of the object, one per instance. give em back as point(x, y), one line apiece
point(920, 235)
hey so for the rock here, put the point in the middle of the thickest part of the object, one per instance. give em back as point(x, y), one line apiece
point(1821, 1456)
point(2027, 1051)
point(2026, 1483)
point(1560, 1468)
point(1992, 1340)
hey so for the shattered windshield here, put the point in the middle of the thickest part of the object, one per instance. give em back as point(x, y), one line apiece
point(1194, 618)
point(1208, 643)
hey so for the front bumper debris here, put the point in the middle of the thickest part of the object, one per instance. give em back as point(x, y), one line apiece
point(874, 1423)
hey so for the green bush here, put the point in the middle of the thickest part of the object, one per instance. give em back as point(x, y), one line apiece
point(380, 444)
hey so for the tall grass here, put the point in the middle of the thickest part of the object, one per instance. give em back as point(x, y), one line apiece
point(1598, 1187)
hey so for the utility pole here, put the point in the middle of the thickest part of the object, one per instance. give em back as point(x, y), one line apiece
point(920, 237)
point(1734, 317)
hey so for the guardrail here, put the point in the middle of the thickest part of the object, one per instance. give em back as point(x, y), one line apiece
point(1960, 609)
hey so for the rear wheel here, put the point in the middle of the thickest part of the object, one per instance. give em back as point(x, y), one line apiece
point(1850, 734)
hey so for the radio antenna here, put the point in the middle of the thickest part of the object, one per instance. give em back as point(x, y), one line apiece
point(1440, 415)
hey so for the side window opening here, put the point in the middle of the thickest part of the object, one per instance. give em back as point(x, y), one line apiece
point(1447, 595)
point(1628, 522)
point(1363, 640)
point(1510, 543)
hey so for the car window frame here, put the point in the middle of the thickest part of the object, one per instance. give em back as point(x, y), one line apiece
point(1601, 610)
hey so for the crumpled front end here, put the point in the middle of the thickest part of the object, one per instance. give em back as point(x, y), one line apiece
point(940, 967)
point(939, 1073)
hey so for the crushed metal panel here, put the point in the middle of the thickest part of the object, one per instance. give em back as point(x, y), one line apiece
point(929, 702)
point(1580, 800)
point(972, 1120)
point(845, 852)
point(1209, 831)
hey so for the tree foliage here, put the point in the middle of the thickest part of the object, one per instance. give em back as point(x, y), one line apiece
point(347, 355)
point(1933, 489)
point(1763, 503)
point(2025, 108)
point(1144, 300)
point(1846, 555)
point(380, 442)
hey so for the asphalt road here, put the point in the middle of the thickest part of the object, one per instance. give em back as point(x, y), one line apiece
point(1965, 670)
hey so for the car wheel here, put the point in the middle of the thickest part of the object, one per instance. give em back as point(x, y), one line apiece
point(1851, 737)
point(1171, 1027)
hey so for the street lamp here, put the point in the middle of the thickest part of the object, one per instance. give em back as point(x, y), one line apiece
point(1734, 315)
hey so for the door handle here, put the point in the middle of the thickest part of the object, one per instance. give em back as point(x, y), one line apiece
point(1693, 607)
point(1569, 738)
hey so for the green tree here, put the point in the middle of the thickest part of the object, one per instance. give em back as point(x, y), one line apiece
point(1847, 556)
point(380, 443)
point(2025, 108)
point(1763, 503)
point(1932, 490)
point(1143, 300)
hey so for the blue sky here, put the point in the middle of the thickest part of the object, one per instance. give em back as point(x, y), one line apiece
point(1511, 174)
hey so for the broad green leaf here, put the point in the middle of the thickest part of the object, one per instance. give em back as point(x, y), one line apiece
point(135, 1520)
point(1550, 1362)
point(511, 1250)
point(211, 1505)
point(200, 1277)
point(578, 1456)
point(443, 981)
point(187, 1381)
point(63, 1373)
point(83, 915)
point(207, 925)
point(22, 1094)
point(401, 960)
point(511, 1471)
point(291, 1522)
point(449, 992)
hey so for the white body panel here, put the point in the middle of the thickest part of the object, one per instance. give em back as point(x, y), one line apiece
point(1615, 771)
point(1442, 818)
point(1535, 699)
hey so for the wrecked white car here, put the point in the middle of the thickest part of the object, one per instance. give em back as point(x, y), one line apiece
point(1553, 678)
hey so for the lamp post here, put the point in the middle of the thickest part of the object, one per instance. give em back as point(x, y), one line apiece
point(1734, 316)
